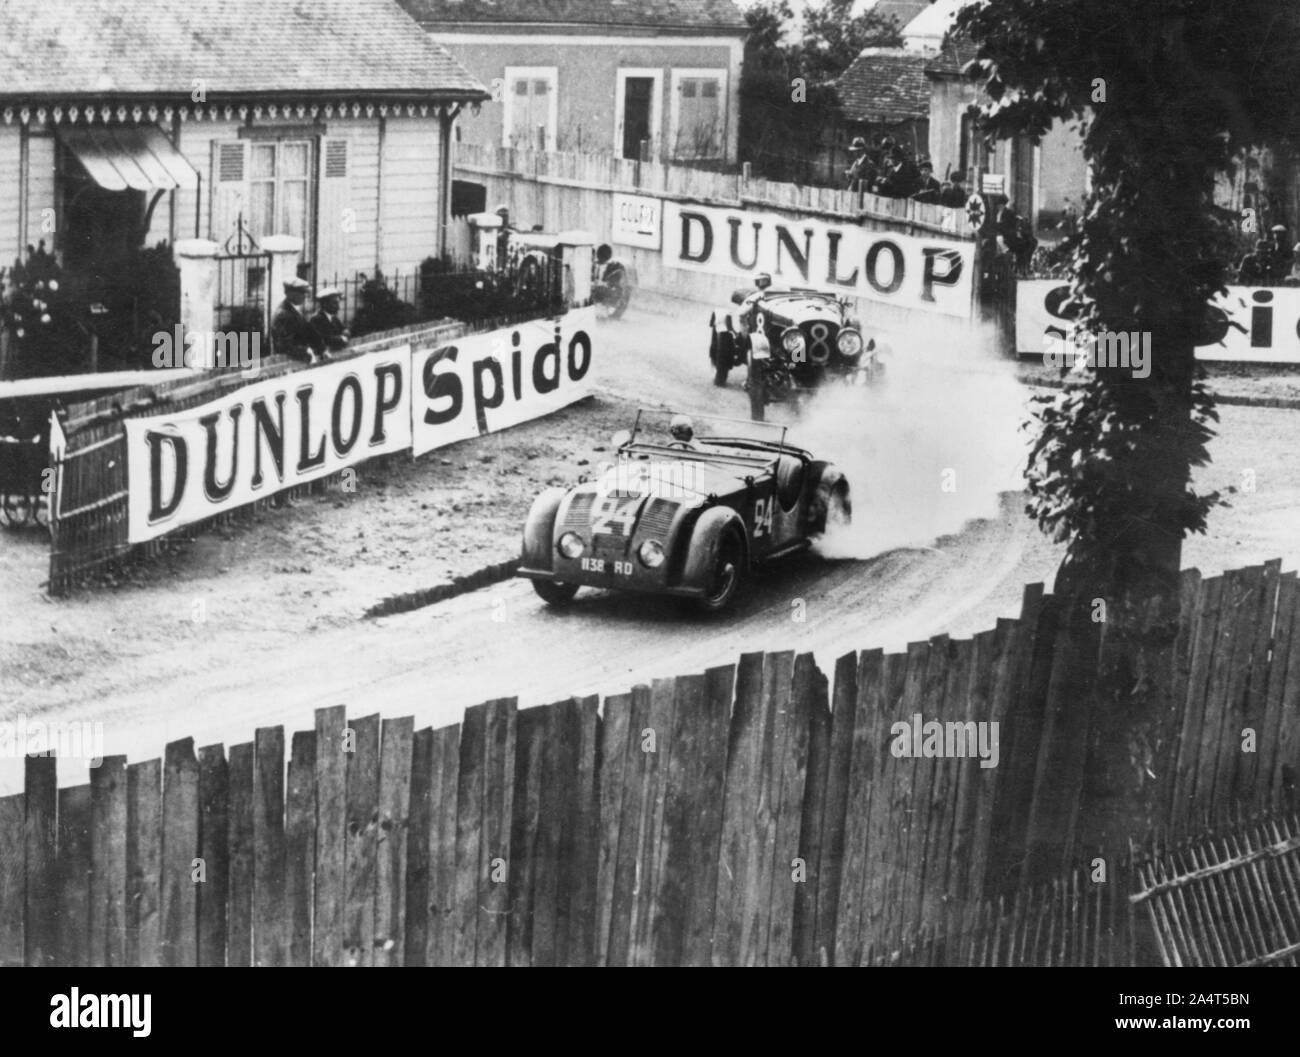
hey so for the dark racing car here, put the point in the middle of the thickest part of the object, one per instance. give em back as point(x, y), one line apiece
point(793, 341)
point(682, 512)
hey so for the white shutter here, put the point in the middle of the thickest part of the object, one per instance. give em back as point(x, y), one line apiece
point(337, 218)
point(229, 189)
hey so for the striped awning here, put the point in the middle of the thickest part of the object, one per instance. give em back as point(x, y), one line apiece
point(136, 156)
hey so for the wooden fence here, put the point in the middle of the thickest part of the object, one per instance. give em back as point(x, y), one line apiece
point(752, 814)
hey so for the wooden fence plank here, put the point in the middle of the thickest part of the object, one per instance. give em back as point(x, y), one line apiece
point(1033, 650)
point(942, 870)
point(331, 837)
point(469, 833)
point(553, 845)
point(13, 879)
point(973, 782)
point(74, 876)
point(1226, 678)
point(614, 752)
point(40, 836)
point(417, 847)
point(864, 814)
point(813, 722)
point(1189, 742)
point(738, 885)
point(632, 815)
point(396, 736)
point(300, 845)
point(443, 820)
point(662, 700)
point(144, 862)
point(270, 922)
point(910, 791)
point(770, 908)
point(241, 844)
point(108, 862)
point(1243, 766)
point(1285, 645)
point(214, 850)
point(180, 847)
point(531, 733)
point(362, 841)
point(498, 805)
point(578, 935)
point(834, 820)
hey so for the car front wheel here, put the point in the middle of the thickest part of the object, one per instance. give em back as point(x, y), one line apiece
point(555, 594)
point(726, 576)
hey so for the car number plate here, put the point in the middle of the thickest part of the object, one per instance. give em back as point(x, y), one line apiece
point(608, 566)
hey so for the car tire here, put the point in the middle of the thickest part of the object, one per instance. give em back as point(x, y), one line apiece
point(728, 575)
point(554, 593)
point(827, 508)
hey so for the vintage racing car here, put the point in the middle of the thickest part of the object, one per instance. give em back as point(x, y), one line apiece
point(794, 340)
point(682, 511)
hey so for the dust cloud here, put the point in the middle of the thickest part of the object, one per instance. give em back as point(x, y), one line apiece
point(928, 449)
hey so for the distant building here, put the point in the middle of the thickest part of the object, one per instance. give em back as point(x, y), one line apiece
point(884, 92)
point(142, 121)
point(599, 75)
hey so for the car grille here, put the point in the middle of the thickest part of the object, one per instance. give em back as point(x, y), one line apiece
point(658, 518)
point(579, 516)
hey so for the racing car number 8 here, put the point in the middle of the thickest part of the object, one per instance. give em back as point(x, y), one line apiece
point(820, 351)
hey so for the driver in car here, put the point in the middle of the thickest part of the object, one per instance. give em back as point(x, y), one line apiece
point(682, 430)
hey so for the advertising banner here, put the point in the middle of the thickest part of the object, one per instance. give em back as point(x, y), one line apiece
point(919, 272)
point(1259, 324)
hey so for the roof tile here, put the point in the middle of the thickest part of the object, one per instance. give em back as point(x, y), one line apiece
point(661, 14)
point(884, 85)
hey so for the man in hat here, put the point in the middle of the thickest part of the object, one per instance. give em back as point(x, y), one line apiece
point(927, 187)
point(1280, 254)
point(861, 173)
point(325, 321)
point(1253, 269)
point(956, 195)
point(291, 334)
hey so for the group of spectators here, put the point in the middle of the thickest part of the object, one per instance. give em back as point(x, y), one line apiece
point(1270, 262)
point(887, 170)
point(312, 338)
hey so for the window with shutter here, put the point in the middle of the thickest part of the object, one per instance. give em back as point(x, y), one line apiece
point(230, 192)
point(336, 220)
point(530, 105)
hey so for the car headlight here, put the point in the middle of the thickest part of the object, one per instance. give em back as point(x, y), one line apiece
point(793, 341)
point(651, 553)
point(571, 545)
point(849, 343)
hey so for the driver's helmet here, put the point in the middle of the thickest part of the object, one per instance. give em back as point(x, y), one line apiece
point(762, 280)
point(682, 428)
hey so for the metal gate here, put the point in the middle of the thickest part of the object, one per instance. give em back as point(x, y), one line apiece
point(243, 302)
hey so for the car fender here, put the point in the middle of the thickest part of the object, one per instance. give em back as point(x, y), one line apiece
point(539, 529)
point(759, 347)
point(702, 546)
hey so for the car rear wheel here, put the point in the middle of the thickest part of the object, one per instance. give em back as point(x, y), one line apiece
point(555, 594)
point(726, 576)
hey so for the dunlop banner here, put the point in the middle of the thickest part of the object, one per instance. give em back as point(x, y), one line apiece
point(921, 272)
point(265, 437)
point(278, 433)
point(482, 383)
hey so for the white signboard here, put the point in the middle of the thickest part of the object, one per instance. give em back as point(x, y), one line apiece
point(638, 221)
point(1248, 324)
point(921, 272)
point(486, 382)
point(265, 437)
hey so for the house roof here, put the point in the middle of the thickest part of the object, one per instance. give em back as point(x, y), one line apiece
point(884, 85)
point(952, 58)
point(117, 48)
point(714, 15)
point(902, 10)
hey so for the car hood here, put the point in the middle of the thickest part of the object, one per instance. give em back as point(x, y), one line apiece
point(799, 308)
point(685, 481)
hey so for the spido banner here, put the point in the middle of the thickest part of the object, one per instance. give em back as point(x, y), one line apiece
point(1248, 324)
point(926, 273)
point(286, 431)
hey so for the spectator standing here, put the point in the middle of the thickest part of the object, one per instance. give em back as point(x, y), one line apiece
point(928, 188)
point(1280, 255)
point(861, 173)
point(1253, 269)
point(956, 194)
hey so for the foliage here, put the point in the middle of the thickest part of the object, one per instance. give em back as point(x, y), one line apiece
point(778, 133)
point(1166, 94)
point(381, 308)
point(37, 312)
